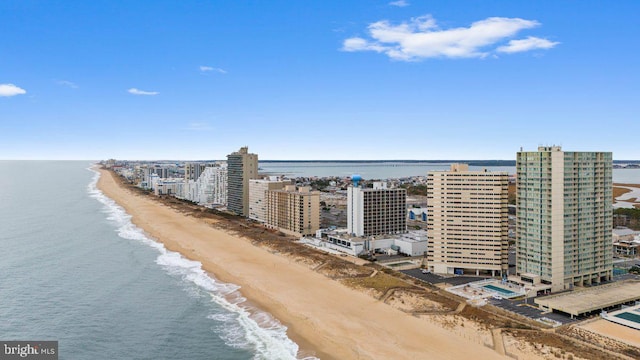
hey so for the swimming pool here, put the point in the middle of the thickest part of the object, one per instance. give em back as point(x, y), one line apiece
point(629, 316)
point(502, 291)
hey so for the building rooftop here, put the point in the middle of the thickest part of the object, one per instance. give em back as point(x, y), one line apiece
point(410, 236)
point(592, 299)
point(623, 231)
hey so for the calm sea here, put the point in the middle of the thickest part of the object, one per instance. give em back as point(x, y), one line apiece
point(75, 269)
point(394, 169)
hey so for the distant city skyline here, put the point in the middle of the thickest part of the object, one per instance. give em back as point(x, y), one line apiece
point(323, 80)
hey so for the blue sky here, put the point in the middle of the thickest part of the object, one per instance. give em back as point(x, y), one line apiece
point(317, 79)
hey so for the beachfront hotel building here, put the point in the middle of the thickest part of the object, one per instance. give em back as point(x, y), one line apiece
point(468, 221)
point(258, 196)
point(564, 217)
point(294, 211)
point(377, 210)
point(241, 167)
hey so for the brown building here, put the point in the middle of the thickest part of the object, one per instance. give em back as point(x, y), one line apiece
point(293, 211)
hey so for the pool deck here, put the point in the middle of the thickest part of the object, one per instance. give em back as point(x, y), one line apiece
point(479, 290)
point(614, 317)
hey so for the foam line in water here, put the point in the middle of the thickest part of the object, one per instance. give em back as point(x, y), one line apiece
point(242, 326)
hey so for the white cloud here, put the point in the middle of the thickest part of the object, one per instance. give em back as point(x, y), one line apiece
point(209, 68)
point(11, 90)
point(399, 3)
point(421, 38)
point(360, 44)
point(528, 44)
point(67, 83)
point(199, 126)
point(135, 91)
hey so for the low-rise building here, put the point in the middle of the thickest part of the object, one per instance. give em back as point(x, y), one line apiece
point(411, 243)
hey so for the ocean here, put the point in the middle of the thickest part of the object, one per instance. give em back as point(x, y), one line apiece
point(76, 270)
point(393, 169)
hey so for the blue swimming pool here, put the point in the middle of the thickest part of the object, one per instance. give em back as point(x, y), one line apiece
point(502, 291)
point(629, 316)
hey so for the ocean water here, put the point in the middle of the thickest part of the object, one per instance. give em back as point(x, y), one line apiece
point(394, 169)
point(76, 270)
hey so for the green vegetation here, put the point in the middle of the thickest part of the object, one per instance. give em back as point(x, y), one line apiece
point(633, 217)
point(381, 282)
point(415, 189)
point(319, 184)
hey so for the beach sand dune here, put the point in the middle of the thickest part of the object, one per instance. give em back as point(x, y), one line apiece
point(323, 316)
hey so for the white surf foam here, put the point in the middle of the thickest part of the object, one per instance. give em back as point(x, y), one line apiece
point(242, 326)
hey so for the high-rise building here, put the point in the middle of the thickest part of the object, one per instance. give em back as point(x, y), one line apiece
point(293, 211)
point(468, 221)
point(193, 170)
point(564, 217)
point(377, 210)
point(241, 166)
point(258, 196)
point(213, 186)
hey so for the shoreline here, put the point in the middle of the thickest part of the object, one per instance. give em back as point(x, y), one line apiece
point(322, 316)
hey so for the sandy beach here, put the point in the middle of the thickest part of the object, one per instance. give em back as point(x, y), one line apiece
point(615, 331)
point(323, 316)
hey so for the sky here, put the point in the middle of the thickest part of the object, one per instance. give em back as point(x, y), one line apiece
point(323, 79)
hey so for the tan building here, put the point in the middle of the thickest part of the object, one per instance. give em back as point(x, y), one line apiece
point(294, 211)
point(467, 221)
point(258, 196)
point(241, 167)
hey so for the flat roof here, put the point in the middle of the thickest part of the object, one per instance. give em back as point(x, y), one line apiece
point(591, 299)
point(624, 231)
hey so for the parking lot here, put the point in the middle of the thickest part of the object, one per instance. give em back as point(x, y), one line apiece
point(527, 309)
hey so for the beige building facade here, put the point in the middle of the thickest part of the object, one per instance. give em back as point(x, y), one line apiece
point(467, 221)
point(294, 211)
point(258, 196)
point(242, 166)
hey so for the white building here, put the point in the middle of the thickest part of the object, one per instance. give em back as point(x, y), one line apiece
point(168, 186)
point(377, 210)
point(212, 189)
point(209, 189)
point(412, 243)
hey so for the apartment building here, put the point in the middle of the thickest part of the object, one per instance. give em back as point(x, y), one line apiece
point(241, 167)
point(564, 217)
point(467, 221)
point(258, 196)
point(377, 210)
point(294, 211)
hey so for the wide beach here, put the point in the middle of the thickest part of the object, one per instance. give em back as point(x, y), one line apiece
point(323, 316)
